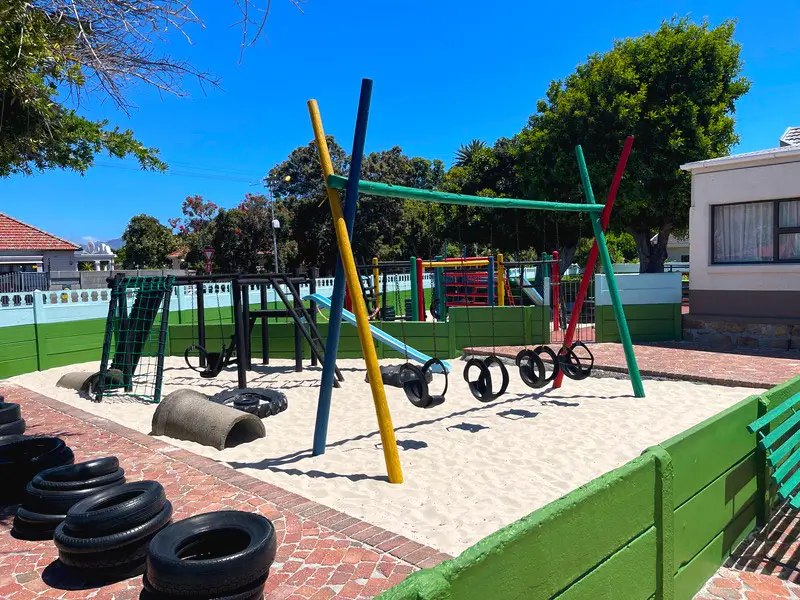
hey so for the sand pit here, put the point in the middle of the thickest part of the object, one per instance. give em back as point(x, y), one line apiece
point(469, 468)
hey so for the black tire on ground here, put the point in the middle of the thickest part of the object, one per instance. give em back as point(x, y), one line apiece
point(116, 509)
point(7, 439)
point(213, 554)
point(28, 516)
point(8, 412)
point(123, 558)
point(20, 460)
point(84, 470)
point(13, 428)
point(35, 526)
point(58, 502)
point(43, 481)
point(253, 591)
point(106, 543)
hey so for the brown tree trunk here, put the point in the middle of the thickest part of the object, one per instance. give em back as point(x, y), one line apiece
point(651, 255)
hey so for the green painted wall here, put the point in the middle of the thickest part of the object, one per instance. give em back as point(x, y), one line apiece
point(657, 527)
point(647, 323)
point(18, 353)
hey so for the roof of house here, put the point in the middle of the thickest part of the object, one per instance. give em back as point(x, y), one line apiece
point(16, 235)
point(791, 137)
point(179, 253)
point(785, 153)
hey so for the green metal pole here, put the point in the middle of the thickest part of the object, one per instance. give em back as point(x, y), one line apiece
point(414, 295)
point(613, 290)
point(438, 289)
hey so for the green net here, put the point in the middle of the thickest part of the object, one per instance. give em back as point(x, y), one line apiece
point(135, 338)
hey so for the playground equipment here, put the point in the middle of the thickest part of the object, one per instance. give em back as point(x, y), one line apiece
point(132, 334)
point(210, 363)
point(347, 273)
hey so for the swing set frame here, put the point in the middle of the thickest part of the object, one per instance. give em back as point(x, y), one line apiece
point(347, 273)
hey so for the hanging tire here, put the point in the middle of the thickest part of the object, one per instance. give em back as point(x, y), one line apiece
point(116, 509)
point(13, 428)
point(504, 378)
point(89, 469)
point(9, 412)
point(412, 379)
point(211, 555)
point(480, 388)
point(539, 350)
point(531, 369)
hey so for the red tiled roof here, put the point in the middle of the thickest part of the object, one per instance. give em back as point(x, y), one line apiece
point(16, 235)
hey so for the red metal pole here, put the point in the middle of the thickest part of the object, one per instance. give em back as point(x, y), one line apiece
point(554, 295)
point(348, 303)
point(590, 262)
point(420, 292)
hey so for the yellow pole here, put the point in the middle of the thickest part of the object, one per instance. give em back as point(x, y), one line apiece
point(376, 275)
point(385, 426)
point(501, 281)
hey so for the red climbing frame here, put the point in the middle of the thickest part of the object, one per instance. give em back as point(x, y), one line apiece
point(590, 262)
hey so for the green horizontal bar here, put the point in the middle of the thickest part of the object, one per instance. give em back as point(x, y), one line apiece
point(338, 182)
point(781, 451)
point(788, 465)
point(774, 413)
point(780, 431)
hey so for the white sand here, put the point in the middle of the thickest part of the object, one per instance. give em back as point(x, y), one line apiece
point(469, 468)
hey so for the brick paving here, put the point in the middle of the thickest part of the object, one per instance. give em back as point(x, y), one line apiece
point(764, 566)
point(680, 360)
point(322, 553)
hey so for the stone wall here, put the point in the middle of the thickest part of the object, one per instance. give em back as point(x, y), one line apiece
point(725, 334)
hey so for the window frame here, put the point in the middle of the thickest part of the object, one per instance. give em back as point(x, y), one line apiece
point(777, 231)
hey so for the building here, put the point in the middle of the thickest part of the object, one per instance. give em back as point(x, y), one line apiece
point(745, 253)
point(24, 248)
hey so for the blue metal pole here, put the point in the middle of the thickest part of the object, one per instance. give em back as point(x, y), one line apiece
point(339, 283)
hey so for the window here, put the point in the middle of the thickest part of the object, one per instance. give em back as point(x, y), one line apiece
point(684, 258)
point(756, 232)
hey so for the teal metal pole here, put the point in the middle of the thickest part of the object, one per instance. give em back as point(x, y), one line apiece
point(613, 290)
point(490, 281)
point(438, 289)
point(414, 294)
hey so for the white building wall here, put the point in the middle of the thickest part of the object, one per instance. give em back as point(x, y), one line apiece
point(745, 183)
point(59, 260)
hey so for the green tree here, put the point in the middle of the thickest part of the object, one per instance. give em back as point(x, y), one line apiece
point(674, 90)
point(194, 230)
point(147, 243)
point(88, 47)
point(466, 152)
point(85, 266)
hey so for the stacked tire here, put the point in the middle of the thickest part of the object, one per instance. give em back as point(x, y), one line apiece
point(23, 458)
point(107, 534)
point(11, 421)
point(218, 555)
point(52, 492)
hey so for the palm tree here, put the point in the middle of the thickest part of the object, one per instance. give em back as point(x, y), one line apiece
point(466, 152)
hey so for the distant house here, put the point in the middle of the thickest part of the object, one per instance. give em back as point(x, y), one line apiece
point(24, 248)
point(745, 232)
point(677, 248)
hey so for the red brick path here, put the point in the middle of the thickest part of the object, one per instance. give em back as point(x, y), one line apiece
point(764, 566)
point(322, 553)
point(688, 362)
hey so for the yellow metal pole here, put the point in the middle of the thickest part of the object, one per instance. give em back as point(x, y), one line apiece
point(501, 281)
point(376, 276)
point(390, 453)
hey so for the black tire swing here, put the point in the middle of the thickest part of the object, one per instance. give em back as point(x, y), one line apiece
point(214, 362)
point(574, 366)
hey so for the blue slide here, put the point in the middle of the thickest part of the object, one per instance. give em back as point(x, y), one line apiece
point(382, 336)
point(531, 292)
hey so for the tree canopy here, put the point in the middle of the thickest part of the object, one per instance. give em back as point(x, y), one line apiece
point(674, 90)
point(147, 243)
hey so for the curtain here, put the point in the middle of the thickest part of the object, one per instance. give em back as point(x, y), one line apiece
point(743, 232)
point(789, 243)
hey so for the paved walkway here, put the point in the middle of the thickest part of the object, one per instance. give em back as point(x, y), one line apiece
point(689, 362)
point(322, 553)
point(764, 566)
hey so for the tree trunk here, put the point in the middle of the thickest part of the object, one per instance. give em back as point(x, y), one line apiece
point(651, 255)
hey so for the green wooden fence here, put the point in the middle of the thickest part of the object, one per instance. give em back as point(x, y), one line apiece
point(657, 527)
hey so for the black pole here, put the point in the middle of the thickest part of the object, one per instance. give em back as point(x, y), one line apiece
point(248, 359)
point(264, 326)
point(238, 334)
point(312, 289)
point(298, 341)
point(162, 343)
point(201, 321)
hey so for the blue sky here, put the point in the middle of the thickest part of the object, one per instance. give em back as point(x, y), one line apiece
point(445, 72)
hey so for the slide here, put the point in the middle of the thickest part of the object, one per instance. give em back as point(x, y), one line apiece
point(531, 292)
point(381, 336)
